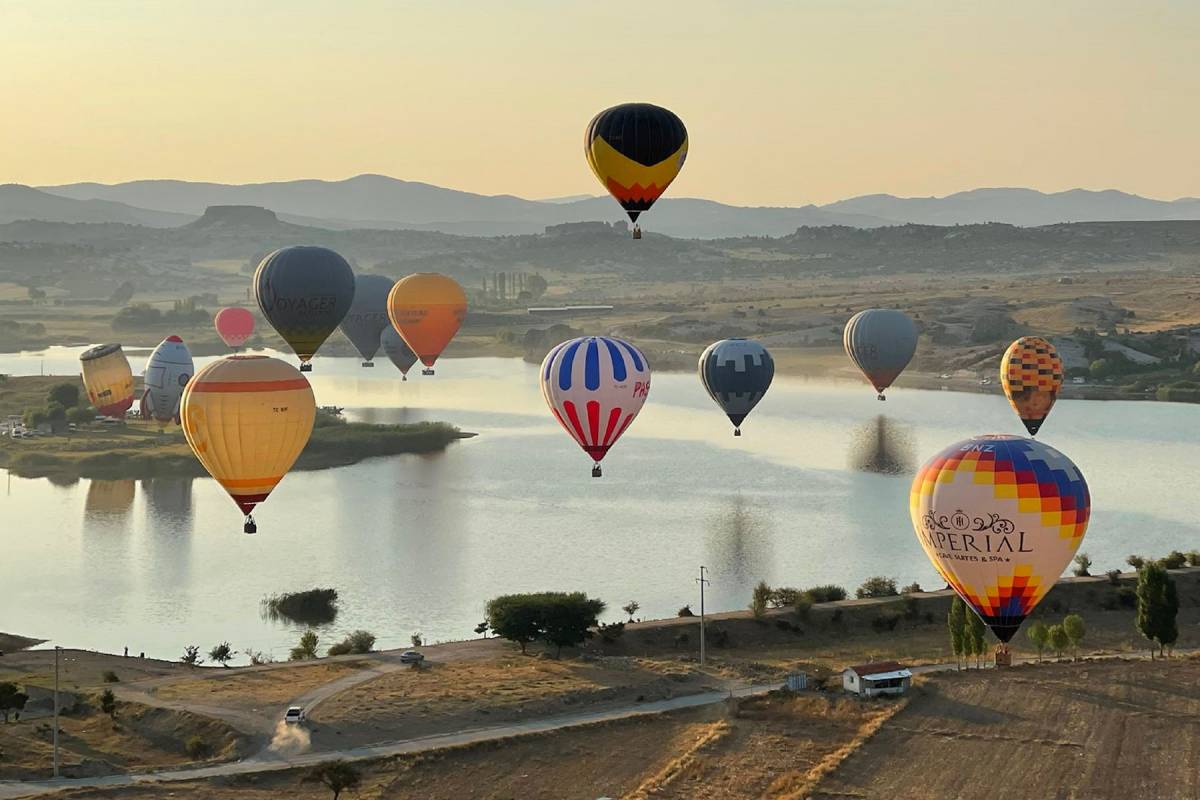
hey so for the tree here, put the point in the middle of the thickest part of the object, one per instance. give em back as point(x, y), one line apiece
point(686, 611)
point(55, 412)
point(631, 609)
point(108, 703)
point(307, 648)
point(977, 635)
point(222, 654)
point(122, 294)
point(1059, 641)
point(514, 618)
point(36, 294)
point(1083, 562)
point(759, 599)
point(877, 586)
point(1039, 635)
point(568, 619)
point(1075, 629)
point(33, 417)
point(336, 776)
point(536, 285)
point(1157, 606)
point(482, 628)
point(11, 699)
point(956, 621)
point(65, 394)
point(1137, 562)
point(416, 639)
point(191, 656)
point(912, 588)
point(1173, 560)
point(81, 415)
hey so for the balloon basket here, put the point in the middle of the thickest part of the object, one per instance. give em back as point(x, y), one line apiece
point(737, 431)
point(427, 371)
point(637, 232)
point(367, 364)
point(881, 397)
point(250, 527)
point(403, 377)
point(306, 367)
point(596, 473)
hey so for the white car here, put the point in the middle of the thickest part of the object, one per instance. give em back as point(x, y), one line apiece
point(294, 714)
point(411, 657)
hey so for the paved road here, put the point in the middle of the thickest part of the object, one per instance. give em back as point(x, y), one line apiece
point(266, 762)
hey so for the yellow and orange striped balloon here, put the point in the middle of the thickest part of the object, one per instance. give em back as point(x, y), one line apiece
point(247, 418)
point(108, 379)
point(427, 309)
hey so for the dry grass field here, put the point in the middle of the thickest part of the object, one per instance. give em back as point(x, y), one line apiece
point(1112, 729)
point(256, 687)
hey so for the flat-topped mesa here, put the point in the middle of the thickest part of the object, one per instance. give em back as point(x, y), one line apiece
point(242, 216)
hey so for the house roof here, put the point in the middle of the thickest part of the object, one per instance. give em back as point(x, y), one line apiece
point(876, 668)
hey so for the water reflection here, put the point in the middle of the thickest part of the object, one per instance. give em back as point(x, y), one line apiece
point(108, 502)
point(738, 544)
point(883, 446)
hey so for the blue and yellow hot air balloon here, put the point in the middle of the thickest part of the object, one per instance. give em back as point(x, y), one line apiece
point(304, 292)
point(636, 150)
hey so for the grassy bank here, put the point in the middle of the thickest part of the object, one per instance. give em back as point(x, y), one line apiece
point(136, 450)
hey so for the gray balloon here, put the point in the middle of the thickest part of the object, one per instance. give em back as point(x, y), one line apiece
point(881, 342)
point(397, 350)
point(304, 292)
point(368, 314)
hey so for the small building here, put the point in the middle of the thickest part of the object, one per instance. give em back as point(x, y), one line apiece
point(880, 677)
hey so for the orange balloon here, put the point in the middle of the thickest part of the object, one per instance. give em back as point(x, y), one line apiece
point(427, 309)
point(1032, 374)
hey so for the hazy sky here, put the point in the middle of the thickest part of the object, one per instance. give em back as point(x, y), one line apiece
point(786, 102)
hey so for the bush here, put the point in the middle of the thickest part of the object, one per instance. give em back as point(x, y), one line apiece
point(759, 600)
point(81, 415)
point(877, 586)
point(1137, 562)
point(686, 611)
point(610, 633)
point(197, 748)
point(1174, 560)
point(65, 394)
point(829, 593)
point(785, 596)
point(802, 605)
point(358, 642)
point(416, 639)
point(1083, 563)
point(1193, 556)
point(912, 588)
point(1114, 577)
point(311, 607)
point(110, 677)
point(307, 648)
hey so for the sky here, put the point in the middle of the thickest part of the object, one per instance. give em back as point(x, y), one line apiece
point(786, 103)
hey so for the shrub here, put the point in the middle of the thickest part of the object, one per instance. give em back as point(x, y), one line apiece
point(197, 748)
point(829, 593)
point(610, 633)
point(416, 639)
point(1137, 562)
point(877, 586)
point(1114, 577)
point(307, 648)
point(785, 596)
point(1174, 560)
point(758, 601)
point(686, 611)
point(1083, 563)
point(912, 588)
point(258, 657)
point(358, 642)
point(81, 415)
point(310, 607)
point(110, 677)
point(108, 703)
point(802, 605)
point(1193, 556)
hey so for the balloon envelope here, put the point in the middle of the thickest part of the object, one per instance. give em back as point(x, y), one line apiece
point(304, 292)
point(234, 325)
point(247, 418)
point(736, 373)
point(169, 369)
point(427, 309)
point(636, 150)
point(1032, 374)
point(368, 314)
point(107, 379)
point(880, 342)
point(595, 386)
point(397, 350)
point(1000, 517)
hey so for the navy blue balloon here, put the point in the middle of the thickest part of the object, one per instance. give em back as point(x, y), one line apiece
point(736, 373)
point(368, 314)
point(304, 292)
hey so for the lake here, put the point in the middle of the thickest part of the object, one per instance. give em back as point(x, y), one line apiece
point(420, 543)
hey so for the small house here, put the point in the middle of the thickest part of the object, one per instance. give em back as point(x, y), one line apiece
point(880, 677)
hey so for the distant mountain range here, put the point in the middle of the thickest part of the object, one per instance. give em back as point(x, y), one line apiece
point(376, 201)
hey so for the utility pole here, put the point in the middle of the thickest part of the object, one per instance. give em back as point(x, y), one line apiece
point(702, 581)
point(57, 650)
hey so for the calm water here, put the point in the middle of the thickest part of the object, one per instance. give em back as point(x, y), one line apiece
point(419, 543)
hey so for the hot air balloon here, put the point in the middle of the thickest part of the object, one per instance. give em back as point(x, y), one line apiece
point(368, 315)
point(395, 348)
point(247, 418)
point(108, 379)
point(1032, 374)
point(1000, 517)
point(595, 385)
point(304, 292)
point(169, 369)
point(636, 150)
point(736, 373)
point(234, 325)
point(427, 309)
point(880, 342)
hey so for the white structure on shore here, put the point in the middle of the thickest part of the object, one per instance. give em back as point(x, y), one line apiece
point(880, 677)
